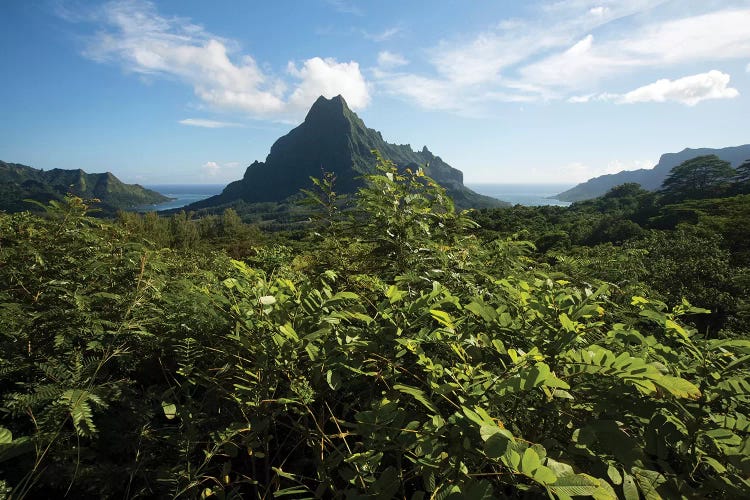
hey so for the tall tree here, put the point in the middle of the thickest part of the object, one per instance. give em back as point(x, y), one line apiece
point(701, 177)
point(742, 178)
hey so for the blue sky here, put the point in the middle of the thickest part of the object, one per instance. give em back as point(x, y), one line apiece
point(189, 91)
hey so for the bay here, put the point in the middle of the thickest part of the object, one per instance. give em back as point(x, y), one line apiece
point(523, 194)
point(183, 194)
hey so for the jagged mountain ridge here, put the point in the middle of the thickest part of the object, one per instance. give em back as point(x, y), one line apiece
point(651, 178)
point(19, 182)
point(333, 138)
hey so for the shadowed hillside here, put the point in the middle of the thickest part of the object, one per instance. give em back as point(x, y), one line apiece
point(20, 182)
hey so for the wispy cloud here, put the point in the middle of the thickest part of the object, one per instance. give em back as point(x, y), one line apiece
point(346, 7)
point(714, 36)
point(211, 168)
point(199, 122)
point(135, 36)
point(574, 49)
point(383, 36)
point(217, 169)
point(388, 60)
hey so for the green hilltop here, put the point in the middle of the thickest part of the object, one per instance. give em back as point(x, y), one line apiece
point(21, 182)
point(334, 139)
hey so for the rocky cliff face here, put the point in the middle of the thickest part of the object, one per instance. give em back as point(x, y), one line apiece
point(334, 139)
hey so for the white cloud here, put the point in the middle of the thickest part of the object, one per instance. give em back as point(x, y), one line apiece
point(199, 122)
point(328, 78)
point(598, 11)
point(211, 168)
point(689, 90)
point(216, 169)
point(135, 36)
point(575, 50)
point(580, 98)
point(389, 60)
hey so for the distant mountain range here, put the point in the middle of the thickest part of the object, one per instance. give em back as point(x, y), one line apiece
point(652, 178)
point(19, 182)
point(334, 139)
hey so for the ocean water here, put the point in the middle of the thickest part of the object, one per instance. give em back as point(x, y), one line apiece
point(517, 194)
point(183, 194)
point(524, 194)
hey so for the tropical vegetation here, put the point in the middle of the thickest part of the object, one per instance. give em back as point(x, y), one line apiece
point(393, 347)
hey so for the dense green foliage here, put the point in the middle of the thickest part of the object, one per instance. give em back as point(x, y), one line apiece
point(397, 348)
point(743, 173)
point(700, 177)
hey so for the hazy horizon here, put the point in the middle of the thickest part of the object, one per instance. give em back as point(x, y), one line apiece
point(151, 185)
point(523, 194)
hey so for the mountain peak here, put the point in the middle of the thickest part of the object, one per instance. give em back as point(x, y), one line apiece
point(334, 139)
point(335, 106)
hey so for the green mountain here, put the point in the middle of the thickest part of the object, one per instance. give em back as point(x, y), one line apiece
point(334, 139)
point(19, 182)
point(651, 179)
